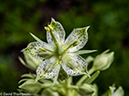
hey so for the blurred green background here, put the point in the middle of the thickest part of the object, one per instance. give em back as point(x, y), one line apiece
point(108, 21)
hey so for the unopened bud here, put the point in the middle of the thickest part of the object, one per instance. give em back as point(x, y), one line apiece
point(103, 61)
point(86, 89)
point(116, 92)
point(31, 62)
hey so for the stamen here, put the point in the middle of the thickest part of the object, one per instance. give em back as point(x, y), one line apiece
point(72, 45)
point(75, 43)
point(42, 49)
point(50, 27)
point(46, 28)
point(57, 62)
point(60, 62)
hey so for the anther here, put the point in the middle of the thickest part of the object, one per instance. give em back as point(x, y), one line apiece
point(50, 27)
point(57, 62)
point(75, 43)
point(60, 62)
point(46, 28)
point(42, 49)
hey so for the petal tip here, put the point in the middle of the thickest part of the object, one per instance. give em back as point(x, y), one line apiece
point(87, 28)
point(52, 19)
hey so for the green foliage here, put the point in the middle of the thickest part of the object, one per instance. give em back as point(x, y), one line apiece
point(17, 17)
point(108, 22)
point(8, 75)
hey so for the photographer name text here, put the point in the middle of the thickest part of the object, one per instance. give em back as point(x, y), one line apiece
point(13, 94)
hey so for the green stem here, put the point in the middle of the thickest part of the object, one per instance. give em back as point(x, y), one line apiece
point(83, 78)
point(68, 84)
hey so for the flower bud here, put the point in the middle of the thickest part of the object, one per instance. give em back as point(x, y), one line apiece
point(31, 62)
point(86, 90)
point(31, 86)
point(103, 61)
point(117, 92)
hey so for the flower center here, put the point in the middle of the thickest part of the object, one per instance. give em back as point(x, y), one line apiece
point(59, 51)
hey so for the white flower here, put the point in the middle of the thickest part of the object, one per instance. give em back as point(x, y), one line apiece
point(59, 53)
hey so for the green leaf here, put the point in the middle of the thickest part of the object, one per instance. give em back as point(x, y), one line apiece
point(36, 38)
point(29, 75)
point(22, 61)
point(85, 51)
point(93, 77)
point(49, 92)
point(22, 80)
point(45, 81)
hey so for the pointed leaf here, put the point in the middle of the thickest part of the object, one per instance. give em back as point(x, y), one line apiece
point(85, 51)
point(29, 75)
point(93, 77)
point(36, 38)
point(22, 61)
point(22, 80)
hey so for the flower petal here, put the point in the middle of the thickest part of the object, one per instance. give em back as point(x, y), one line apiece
point(33, 50)
point(58, 32)
point(74, 64)
point(80, 35)
point(53, 72)
point(48, 68)
point(72, 72)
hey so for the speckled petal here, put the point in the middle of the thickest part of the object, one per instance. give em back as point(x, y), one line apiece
point(53, 72)
point(33, 50)
point(58, 32)
point(72, 72)
point(80, 35)
point(48, 68)
point(74, 65)
point(80, 61)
